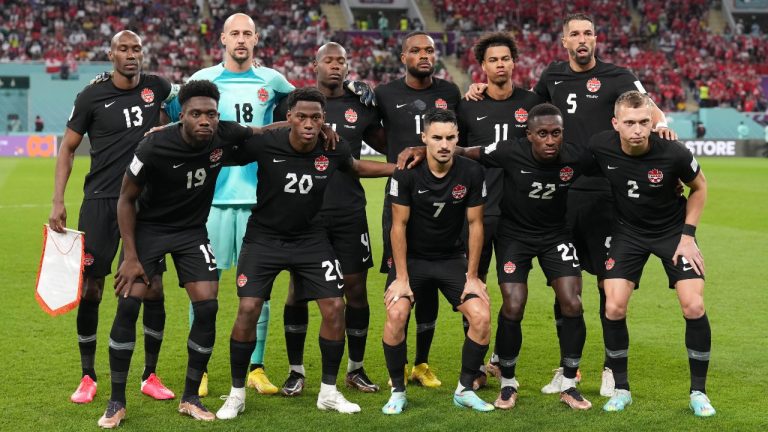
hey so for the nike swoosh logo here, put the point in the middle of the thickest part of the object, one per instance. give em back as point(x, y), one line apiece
point(278, 160)
point(211, 268)
point(557, 82)
point(687, 268)
point(176, 166)
point(400, 106)
point(107, 105)
point(366, 258)
point(524, 172)
point(340, 286)
point(480, 118)
point(574, 265)
point(612, 167)
point(423, 191)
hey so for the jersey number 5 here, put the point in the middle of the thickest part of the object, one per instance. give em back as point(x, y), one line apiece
point(571, 101)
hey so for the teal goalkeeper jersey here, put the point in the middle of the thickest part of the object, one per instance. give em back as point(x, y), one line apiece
point(247, 98)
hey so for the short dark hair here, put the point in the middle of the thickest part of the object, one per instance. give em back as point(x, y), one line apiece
point(632, 99)
point(439, 115)
point(198, 88)
point(308, 94)
point(544, 109)
point(577, 17)
point(412, 34)
point(492, 40)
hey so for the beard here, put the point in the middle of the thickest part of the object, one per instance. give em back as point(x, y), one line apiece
point(418, 73)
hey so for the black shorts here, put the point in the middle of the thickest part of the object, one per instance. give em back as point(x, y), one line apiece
point(190, 249)
point(630, 251)
point(386, 227)
point(514, 258)
point(590, 215)
point(348, 233)
point(312, 261)
point(490, 226)
point(448, 275)
point(98, 220)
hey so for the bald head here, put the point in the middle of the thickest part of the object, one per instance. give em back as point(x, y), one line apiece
point(126, 54)
point(239, 39)
point(125, 34)
point(330, 48)
point(239, 19)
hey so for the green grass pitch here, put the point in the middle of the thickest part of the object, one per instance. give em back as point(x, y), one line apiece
point(40, 362)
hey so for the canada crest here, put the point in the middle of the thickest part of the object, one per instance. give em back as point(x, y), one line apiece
point(147, 95)
point(593, 85)
point(609, 263)
point(216, 155)
point(459, 191)
point(441, 103)
point(321, 163)
point(263, 94)
point(655, 176)
point(242, 280)
point(88, 259)
point(350, 115)
point(509, 267)
point(566, 174)
point(521, 115)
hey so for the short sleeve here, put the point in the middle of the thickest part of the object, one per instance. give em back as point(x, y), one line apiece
point(345, 156)
point(166, 89)
point(492, 156)
point(627, 81)
point(281, 86)
point(477, 188)
point(686, 163)
point(81, 116)
point(400, 187)
point(252, 149)
point(137, 169)
point(172, 109)
point(541, 88)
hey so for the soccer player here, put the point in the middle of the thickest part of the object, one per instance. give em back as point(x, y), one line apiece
point(429, 206)
point(115, 114)
point(585, 89)
point(538, 170)
point(651, 218)
point(488, 121)
point(402, 104)
point(281, 235)
point(343, 216)
point(164, 201)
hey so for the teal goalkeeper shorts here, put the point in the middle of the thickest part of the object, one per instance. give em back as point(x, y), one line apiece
point(226, 228)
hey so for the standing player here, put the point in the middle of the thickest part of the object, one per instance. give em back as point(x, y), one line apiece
point(164, 201)
point(488, 121)
point(429, 206)
point(115, 114)
point(538, 171)
point(402, 104)
point(281, 235)
point(651, 218)
point(343, 216)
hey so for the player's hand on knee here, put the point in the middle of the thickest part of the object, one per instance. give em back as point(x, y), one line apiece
point(413, 154)
point(476, 286)
point(104, 76)
point(475, 92)
point(58, 218)
point(689, 251)
point(130, 271)
point(398, 290)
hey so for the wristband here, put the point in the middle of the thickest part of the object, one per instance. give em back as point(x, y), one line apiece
point(689, 230)
point(662, 125)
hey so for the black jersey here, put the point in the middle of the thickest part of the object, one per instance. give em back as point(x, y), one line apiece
point(402, 109)
point(115, 121)
point(586, 100)
point(179, 180)
point(351, 119)
point(291, 185)
point(535, 193)
point(438, 206)
point(488, 121)
point(645, 187)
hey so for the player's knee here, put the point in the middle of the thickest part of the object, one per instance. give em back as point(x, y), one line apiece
point(615, 311)
point(93, 288)
point(249, 310)
point(355, 293)
point(332, 311)
point(693, 310)
point(479, 317)
point(128, 309)
point(512, 310)
point(571, 307)
point(205, 312)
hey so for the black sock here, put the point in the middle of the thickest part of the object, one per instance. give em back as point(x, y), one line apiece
point(331, 352)
point(357, 320)
point(295, 321)
point(559, 329)
point(87, 323)
point(574, 334)
point(122, 340)
point(472, 354)
point(255, 366)
point(426, 319)
point(698, 341)
point(396, 357)
point(154, 325)
point(509, 339)
point(601, 292)
point(202, 337)
point(239, 358)
point(616, 338)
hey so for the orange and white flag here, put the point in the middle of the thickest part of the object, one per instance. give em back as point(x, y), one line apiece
point(60, 275)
